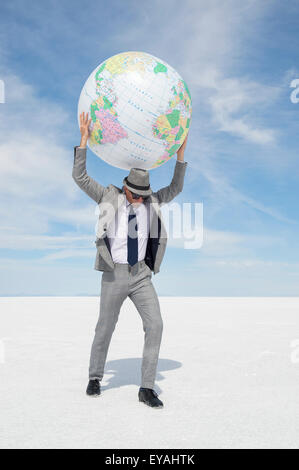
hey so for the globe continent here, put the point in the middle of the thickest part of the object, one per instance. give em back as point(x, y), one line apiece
point(140, 109)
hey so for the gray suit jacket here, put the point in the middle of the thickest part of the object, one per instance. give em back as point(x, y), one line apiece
point(111, 197)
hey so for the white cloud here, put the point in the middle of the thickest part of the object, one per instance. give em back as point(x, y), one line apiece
point(72, 254)
point(254, 263)
point(209, 38)
point(203, 41)
point(37, 189)
point(227, 243)
point(33, 168)
point(239, 96)
point(44, 242)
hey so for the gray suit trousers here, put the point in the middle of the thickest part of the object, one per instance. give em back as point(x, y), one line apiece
point(133, 282)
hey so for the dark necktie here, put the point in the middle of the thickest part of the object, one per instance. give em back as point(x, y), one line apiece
point(132, 237)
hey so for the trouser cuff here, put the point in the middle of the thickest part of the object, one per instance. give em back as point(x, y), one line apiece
point(147, 385)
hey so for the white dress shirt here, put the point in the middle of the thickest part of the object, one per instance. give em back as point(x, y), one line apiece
point(117, 232)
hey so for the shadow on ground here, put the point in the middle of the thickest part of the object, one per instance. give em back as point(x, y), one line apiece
point(128, 372)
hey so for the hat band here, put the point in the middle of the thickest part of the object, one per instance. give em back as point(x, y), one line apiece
point(136, 186)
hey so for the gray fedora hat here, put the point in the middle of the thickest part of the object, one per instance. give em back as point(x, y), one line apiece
point(137, 181)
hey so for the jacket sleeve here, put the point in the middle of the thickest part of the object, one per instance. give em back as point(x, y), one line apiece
point(83, 180)
point(168, 193)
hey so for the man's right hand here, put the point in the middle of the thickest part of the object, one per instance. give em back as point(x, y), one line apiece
point(84, 128)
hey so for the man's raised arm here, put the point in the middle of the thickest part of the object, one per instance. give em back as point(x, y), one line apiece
point(166, 194)
point(83, 180)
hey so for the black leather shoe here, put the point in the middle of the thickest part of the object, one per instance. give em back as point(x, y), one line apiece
point(149, 397)
point(93, 388)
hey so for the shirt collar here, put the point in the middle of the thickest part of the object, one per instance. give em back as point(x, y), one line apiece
point(128, 203)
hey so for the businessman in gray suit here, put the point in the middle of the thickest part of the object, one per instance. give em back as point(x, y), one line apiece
point(131, 240)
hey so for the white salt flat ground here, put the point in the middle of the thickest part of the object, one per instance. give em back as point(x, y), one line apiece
point(228, 375)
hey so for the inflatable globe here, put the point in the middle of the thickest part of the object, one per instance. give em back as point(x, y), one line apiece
point(140, 109)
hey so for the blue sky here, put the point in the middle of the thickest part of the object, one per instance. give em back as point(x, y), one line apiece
point(238, 59)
